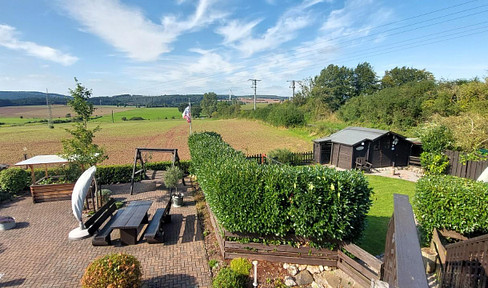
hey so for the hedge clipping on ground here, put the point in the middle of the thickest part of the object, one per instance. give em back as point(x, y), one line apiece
point(452, 203)
point(321, 204)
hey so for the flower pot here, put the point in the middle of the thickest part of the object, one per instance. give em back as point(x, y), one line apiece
point(6, 223)
point(177, 200)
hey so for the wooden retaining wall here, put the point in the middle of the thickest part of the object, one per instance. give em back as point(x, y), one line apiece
point(362, 269)
point(51, 192)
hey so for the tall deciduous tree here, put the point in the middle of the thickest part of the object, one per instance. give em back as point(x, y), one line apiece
point(209, 103)
point(399, 76)
point(80, 149)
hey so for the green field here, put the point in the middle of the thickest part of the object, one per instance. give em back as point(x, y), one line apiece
point(153, 114)
point(380, 213)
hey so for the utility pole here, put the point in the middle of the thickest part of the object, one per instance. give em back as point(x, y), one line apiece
point(50, 120)
point(254, 85)
point(292, 86)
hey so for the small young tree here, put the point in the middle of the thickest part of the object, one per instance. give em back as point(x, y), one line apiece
point(80, 149)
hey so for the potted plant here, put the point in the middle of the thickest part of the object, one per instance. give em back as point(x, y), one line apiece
point(171, 179)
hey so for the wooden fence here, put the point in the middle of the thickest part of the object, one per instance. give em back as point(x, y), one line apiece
point(471, 169)
point(403, 265)
point(300, 158)
point(463, 264)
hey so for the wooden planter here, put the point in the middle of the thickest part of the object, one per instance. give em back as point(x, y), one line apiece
point(51, 192)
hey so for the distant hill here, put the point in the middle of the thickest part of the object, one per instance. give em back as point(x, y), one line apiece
point(21, 98)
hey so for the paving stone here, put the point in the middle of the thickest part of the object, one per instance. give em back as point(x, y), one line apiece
point(38, 253)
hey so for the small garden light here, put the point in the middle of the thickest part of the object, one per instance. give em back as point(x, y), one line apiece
point(255, 263)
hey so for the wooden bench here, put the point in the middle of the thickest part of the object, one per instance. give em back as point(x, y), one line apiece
point(97, 219)
point(103, 236)
point(154, 232)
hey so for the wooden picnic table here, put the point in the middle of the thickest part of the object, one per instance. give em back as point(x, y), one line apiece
point(130, 221)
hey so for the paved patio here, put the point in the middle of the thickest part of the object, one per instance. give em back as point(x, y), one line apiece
point(37, 253)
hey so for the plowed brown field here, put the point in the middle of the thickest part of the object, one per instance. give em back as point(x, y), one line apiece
point(121, 139)
point(58, 111)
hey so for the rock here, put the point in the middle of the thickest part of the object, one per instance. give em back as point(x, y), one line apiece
point(289, 281)
point(315, 285)
point(321, 267)
point(304, 278)
point(313, 269)
point(302, 267)
point(327, 268)
point(379, 284)
point(321, 279)
point(292, 270)
point(285, 266)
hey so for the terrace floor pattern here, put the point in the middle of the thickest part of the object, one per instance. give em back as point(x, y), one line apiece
point(37, 253)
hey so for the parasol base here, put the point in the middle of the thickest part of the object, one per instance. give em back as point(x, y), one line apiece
point(78, 234)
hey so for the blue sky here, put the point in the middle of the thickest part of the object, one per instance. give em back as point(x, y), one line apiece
point(181, 46)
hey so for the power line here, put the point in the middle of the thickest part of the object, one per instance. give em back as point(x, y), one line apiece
point(314, 49)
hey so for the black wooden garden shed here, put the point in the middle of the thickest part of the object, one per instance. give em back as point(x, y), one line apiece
point(379, 147)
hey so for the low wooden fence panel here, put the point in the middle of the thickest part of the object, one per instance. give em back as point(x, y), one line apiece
point(299, 158)
point(362, 270)
point(466, 263)
point(470, 169)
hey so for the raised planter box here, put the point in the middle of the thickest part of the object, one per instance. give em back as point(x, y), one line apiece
point(51, 192)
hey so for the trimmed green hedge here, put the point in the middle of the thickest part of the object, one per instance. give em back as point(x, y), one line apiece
point(316, 202)
point(452, 203)
point(108, 174)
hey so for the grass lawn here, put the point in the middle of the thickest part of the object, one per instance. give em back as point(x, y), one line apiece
point(379, 215)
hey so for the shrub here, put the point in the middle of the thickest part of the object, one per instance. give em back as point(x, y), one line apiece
point(316, 202)
point(284, 156)
point(114, 270)
point(136, 118)
point(241, 266)
point(286, 115)
point(14, 180)
point(227, 278)
point(124, 118)
point(213, 263)
point(452, 203)
point(172, 176)
point(105, 193)
point(434, 163)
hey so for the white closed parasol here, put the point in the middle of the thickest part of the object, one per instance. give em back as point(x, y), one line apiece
point(79, 193)
point(484, 176)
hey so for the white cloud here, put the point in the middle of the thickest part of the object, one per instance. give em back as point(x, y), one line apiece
point(128, 30)
point(9, 39)
point(285, 29)
point(235, 31)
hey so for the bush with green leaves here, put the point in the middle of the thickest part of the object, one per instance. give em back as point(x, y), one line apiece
point(452, 203)
point(172, 176)
point(434, 163)
point(228, 278)
point(286, 115)
point(241, 266)
point(113, 270)
point(284, 156)
point(14, 180)
point(315, 202)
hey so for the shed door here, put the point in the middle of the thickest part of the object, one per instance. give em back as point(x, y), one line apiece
point(326, 150)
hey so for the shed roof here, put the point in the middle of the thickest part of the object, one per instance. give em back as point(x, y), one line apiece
point(42, 159)
point(353, 135)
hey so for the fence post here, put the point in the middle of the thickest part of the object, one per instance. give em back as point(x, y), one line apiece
point(403, 260)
